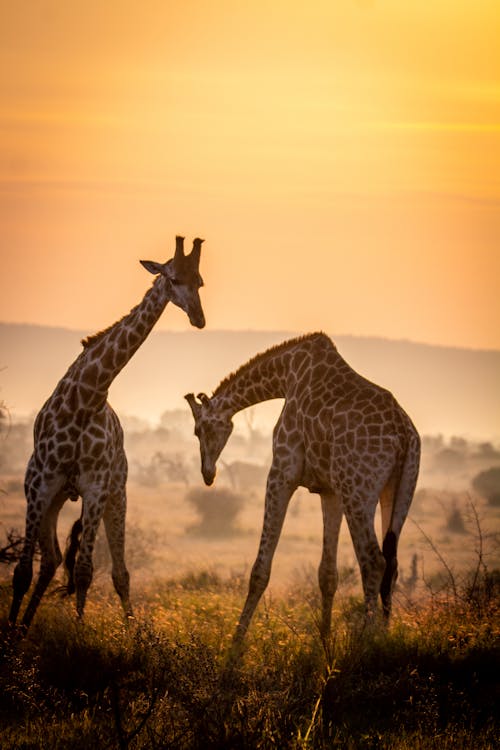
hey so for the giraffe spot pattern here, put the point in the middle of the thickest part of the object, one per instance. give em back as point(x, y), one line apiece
point(78, 441)
point(338, 434)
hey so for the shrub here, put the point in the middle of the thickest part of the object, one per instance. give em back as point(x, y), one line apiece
point(140, 547)
point(487, 484)
point(217, 508)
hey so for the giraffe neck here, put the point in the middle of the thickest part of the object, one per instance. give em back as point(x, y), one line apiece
point(106, 354)
point(268, 375)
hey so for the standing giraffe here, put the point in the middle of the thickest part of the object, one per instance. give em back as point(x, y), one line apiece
point(338, 435)
point(78, 441)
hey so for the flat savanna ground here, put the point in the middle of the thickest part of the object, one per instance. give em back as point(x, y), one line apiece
point(165, 679)
point(167, 536)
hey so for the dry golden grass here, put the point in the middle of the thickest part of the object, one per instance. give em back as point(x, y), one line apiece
point(160, 682)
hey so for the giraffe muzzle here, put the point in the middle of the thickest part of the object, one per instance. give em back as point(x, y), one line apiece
point(208, 476)
point(197, 319)
point(209, 479)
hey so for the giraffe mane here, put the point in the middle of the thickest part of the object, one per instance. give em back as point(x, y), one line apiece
point(276, 349)
point(95, 337)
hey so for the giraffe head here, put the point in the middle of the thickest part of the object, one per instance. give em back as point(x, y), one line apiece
point(183, 275)
point(212, 428)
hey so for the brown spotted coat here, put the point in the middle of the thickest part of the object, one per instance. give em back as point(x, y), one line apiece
point(78, 442)
point(338, 435)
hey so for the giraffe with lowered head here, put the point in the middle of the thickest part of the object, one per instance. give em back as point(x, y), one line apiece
point(338, 435)
point(78, 442)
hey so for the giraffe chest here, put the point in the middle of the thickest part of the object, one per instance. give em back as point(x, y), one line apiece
point(74, 444)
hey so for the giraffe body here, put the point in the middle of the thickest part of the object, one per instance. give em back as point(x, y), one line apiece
point(338, 435)
point(78, 442)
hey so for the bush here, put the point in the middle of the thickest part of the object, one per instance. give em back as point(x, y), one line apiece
point(217, 508)
point(487, 484)
point(140, 545)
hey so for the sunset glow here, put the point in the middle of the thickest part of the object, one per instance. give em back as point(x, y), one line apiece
point(341, 160)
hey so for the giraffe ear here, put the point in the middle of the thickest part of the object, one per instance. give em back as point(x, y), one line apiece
point(152, 266)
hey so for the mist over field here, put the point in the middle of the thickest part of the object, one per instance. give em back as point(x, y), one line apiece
point(446, 391)
point(175, 524)
point(189, 549)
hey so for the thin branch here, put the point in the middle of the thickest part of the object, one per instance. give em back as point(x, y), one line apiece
point(479, 549)
point(439, 556)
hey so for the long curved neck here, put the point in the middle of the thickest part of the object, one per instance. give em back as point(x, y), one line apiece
point(106, 354)
point(261, 379)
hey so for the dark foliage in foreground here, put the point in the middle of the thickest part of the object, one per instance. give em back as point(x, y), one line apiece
point(161, 682)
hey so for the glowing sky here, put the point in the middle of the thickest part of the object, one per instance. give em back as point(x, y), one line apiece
point(341, 159)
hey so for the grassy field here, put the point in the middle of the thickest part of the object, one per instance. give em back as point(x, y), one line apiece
point(161, 681)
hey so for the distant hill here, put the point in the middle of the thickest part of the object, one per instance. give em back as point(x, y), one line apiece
point(445, 390)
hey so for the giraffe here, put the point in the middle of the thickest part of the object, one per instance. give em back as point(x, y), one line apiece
point(338, 435)
point(78, 442)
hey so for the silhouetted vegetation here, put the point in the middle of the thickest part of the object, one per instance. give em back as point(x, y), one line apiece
point(162, 682)
point(487, 484)
point(217, 509)
point(11, 550)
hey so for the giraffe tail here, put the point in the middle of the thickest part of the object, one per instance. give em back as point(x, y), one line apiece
point(72, 547)
point(403, 496)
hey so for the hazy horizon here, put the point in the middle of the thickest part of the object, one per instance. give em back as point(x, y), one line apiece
point(81, 332)
point(446, 390)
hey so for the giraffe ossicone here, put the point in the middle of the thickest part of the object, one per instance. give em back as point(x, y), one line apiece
point(78, 444)
point(338, 435)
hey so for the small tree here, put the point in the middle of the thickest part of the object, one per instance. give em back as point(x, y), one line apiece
point(11, 552)
point(487, 484)
point(454, 520)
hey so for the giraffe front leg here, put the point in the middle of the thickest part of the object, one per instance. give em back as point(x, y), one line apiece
point(21, 581)
point(51, 557)
point(278, 493)
point(327, 573)
point(114, 522)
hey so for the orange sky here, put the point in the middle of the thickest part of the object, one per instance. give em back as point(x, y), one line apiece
point(341, 159)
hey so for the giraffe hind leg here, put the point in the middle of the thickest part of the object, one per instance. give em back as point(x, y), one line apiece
point(371, 560)
point(72, 547)
point(389, 550)
point(23, 574)
point(41, 494)
point(93, 503)
point(389, 546)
